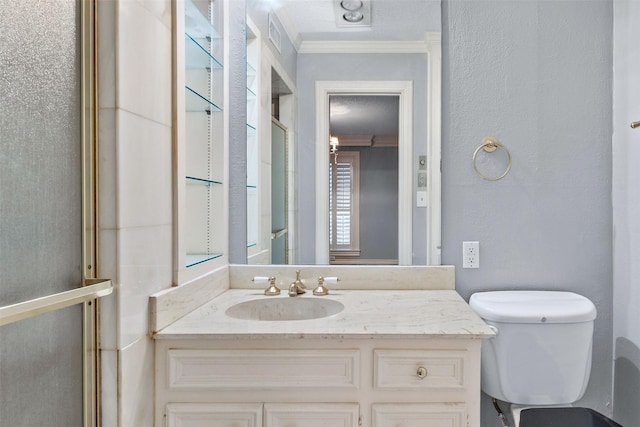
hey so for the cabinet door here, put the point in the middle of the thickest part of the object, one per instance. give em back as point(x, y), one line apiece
point(214, 415)
point(311, 415)
point(419, 415)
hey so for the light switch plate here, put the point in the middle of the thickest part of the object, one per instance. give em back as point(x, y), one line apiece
point(421, 199)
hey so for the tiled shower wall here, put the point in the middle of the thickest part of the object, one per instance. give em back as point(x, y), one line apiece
point(135, 196)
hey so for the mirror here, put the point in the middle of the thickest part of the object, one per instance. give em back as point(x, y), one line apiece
point(311, 50)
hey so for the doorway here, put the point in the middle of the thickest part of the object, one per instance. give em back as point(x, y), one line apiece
point(363, 179)
point(403, 90)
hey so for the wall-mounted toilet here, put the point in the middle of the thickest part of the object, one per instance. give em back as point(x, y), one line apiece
point(540, 356)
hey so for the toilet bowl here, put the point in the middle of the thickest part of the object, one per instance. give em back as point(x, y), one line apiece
point(540, 359)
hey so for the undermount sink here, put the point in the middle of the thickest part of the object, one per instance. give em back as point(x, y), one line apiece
point(275, 309)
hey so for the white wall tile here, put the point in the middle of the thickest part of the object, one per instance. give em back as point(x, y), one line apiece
point(107, 182)
point(107, 53)
point(136, 384)
point(108, 304)
point(161, 9)
point(144, 172)
point(146, 261)
point(109, 387)
point(144, 62)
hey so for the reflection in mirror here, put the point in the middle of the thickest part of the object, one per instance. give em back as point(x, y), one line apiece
point(296, 44)
point(363, 179)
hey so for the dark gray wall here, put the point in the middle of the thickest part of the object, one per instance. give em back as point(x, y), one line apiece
point(341, 67)
point(537, 75)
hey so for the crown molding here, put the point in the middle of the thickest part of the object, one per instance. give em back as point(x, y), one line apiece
point(367, 46)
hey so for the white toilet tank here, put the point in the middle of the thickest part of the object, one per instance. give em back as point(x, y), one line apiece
point(541, 354)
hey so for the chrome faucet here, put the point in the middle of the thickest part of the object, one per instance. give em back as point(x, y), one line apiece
point(297, 287)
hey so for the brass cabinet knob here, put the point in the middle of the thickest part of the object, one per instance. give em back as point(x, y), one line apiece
point(422, 372)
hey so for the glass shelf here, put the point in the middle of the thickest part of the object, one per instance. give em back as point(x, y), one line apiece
point(251, 95)
point(197, 56)
point(197, 103)
point(201, 181)
point(202, 235)
point(195, 259)
point(198, 25)
point(251, 245)
point(251, 71)
point(251, 128)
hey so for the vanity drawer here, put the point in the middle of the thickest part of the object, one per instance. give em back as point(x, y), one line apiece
point(272, 369)
point(418, 369)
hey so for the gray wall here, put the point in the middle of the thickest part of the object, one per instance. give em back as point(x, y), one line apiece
point(258, 11)
point(237, 107)
point(314, 67)
point(378, 202)
point(626, 213)
point(537, 75)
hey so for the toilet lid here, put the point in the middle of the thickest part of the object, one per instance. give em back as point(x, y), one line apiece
point(533, 307)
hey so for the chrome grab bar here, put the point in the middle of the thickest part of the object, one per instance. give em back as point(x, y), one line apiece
point(93, 289)
point(635, 125)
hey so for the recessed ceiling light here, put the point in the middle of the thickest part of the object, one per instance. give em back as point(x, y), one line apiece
point(353, 16)
point(351, 4)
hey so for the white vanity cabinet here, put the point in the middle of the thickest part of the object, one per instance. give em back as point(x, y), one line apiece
point(329, 381)
point(258, 415)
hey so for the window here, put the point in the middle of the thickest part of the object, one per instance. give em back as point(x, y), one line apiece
point(344, 227)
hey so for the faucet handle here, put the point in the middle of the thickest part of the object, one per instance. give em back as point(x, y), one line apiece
point(299, 283)
point(272, 289)
point(321, 289)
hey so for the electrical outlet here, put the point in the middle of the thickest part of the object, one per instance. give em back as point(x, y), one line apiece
point(470, 254)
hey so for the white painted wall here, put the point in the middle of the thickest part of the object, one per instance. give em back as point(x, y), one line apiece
point(626, 213)
point(537, 75)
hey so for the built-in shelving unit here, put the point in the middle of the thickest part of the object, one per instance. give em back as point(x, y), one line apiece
point(203, 178)
point(253, 152)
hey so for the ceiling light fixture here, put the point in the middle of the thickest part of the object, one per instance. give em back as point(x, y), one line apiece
point(353, 16)
point(351, 5)
point(352, 13)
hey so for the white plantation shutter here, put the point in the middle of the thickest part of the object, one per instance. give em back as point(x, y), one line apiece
point(344, 202)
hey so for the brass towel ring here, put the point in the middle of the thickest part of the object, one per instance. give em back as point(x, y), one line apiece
point(490, 144)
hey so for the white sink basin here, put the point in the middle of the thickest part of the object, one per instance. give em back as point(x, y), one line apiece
point(289, 308)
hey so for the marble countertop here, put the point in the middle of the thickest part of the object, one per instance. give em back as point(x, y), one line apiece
point(367, 314)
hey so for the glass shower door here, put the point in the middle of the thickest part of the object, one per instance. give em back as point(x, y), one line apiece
point(42, 215)
point(279, 231)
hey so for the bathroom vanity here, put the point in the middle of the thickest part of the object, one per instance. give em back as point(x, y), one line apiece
point(380, 358)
